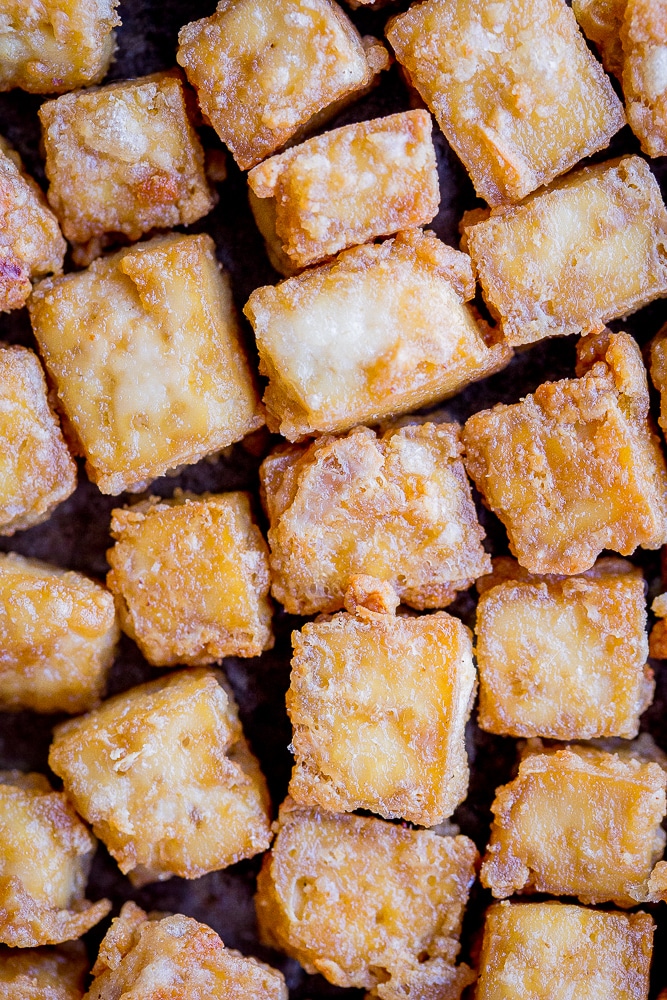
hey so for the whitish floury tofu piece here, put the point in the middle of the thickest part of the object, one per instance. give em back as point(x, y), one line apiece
point(396, 507)
point(539, 951)
point(601, 20)
point(145, 353)
point(381, 330)
point(43, 973)
point(563, 658)
point(262, 70)
point(165, 777)
point(644, 38)
point(575, 468)
point(366, 903)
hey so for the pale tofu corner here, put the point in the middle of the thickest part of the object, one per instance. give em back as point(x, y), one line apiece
point(48, 973)
point(644, 39)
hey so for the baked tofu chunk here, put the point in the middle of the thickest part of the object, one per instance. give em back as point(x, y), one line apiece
point(563, 658)
point(191, 579)
point(589, 249)
point(45, 855)
point(538, 951)
point(382, 329)
point(262, 70)
point(600, 21)
point(145, 353)
point(644, 39)
point(165, 777)
point(366, 903)
point(513, 85)
point(397, 507)
point(36, 469)
point(43, 973)
point(575, 468)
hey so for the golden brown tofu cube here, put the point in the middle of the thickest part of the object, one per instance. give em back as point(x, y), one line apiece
point(191, 579)
point(600, 21)
point(538, 951)
point(396, 507)
point(43, 973)
point(45, 856)
point(164, 776)
point(513, 85)
point(36, 469)
point(145, 353)
point(366, 903)
point(589, 249)
point(382, 329)
point(644, 39)
point(563, 658)
point(575, 468)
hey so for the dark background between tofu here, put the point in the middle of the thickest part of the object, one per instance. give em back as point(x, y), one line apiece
point(77, 535)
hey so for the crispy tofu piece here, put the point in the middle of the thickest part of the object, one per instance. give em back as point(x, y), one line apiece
point(191, 579)
point(658, 636)
point(644, 39)
point(538, 951)
point(165, 777)
point(600, 21)
point(589, 249)
point(513, 86)
point(159, 377)
point(366, 903)
point(561, 657)
point(45, 856)
point(382, 329)
point(575, 468)
point(658, 368)
point(262, 70)
point(43, 973)
point(396, 507)
point(36, 469)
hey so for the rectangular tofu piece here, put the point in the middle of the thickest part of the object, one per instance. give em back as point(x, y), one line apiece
point(589, 249)
point(145, 353)
point(644, 40)
point(513, 86)
point(574, 468)
point(44, 973)
point(381, 330)
point(600, 21)
point(367, 904)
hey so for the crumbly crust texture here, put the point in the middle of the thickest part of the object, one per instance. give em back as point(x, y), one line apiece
point(644, 38)
point(43, 973)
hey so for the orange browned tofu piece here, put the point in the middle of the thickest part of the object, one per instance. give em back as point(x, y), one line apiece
point(542, 951)
point(191, 579)
point(658, 354)
point(164, 775)
point(658, 636)
point(644, 38)
point(380, 330)
point(145, 353)
point(366, 903)
point(43, 973)
point(45, 856)
point(561, 657)
point(600, 21)
point(589, 249)
point(513, 85)
point(575, 468)
point(36, 469)
point(263, 69)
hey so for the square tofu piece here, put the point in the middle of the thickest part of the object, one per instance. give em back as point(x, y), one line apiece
point(513, 85)
point(539, 951)
point(43, 973)
point(600, 21)
point(191, 579)
point(145, 352)
point(578, 822)
point(45, 855)
point(397, 507)
point(382, 329)
point(575, 468)
point(366, 903)
point(644, 39)
point(589, 249)
point(123, 159)
point(263, 69)
point(563, 658)
point(58, 635)
point(165, 777)
point(36, 469)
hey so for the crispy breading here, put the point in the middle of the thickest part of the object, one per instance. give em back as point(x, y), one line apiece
point(658, 368)
point(644, 40)
point(43, 973)
point(658, 637)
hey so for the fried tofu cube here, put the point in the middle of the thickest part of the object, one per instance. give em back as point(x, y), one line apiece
point(45, 855)
point(166, 779)
point(513, 86)
point(658, 636)
point(191, 579)
point(563, 658)
point(36, 469)
point(575, 468)
point(538, 951)
point(589, 249)
point(397, 507)
point(644, 40)
point(43, 973)
point(145, 352)
point(381, 330)
point(366, 903)
point(658, 368)
point(600, 21)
